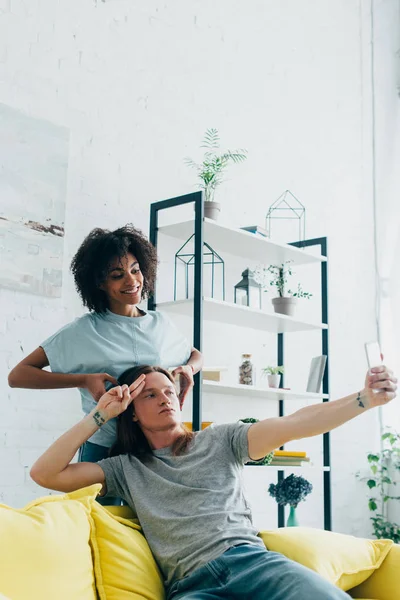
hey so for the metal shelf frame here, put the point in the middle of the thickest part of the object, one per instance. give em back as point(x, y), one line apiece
point(197, 199)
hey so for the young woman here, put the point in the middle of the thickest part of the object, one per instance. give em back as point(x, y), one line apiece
point(113, 272)
point(186, 488)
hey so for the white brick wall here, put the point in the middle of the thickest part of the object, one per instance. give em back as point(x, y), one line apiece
point(137, 84)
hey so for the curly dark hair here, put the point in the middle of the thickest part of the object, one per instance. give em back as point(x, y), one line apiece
point(130, 437)
point(98, 250)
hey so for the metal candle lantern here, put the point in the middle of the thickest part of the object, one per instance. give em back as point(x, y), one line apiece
point(248, 291)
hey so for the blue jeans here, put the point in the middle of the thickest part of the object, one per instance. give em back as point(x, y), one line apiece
point(93, 453)
point(250, 571)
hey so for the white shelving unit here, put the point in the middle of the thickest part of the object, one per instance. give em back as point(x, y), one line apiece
point(252, 248)
point(288, 468)
point(234, 314)
point(251, 391)
point(241, 243)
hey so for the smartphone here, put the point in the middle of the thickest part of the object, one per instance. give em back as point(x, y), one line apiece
point(373, 352)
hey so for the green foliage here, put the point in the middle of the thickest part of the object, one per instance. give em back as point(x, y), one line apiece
point(266, 459)
point(382, 465)
point(278, 276)
point(384, 529)
point(273, 370)
point(210, 171)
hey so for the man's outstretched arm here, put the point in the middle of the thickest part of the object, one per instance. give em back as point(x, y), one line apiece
point(267, 435)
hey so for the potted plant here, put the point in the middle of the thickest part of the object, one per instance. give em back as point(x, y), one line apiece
point(266, 459)
point(273, 375)
point(210, 170)
point(384, 466)
point(291, 490)
point(277, 276)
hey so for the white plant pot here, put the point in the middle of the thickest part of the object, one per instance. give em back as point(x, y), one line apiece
point(212, 210)
point(284, 305)
point(274, 380)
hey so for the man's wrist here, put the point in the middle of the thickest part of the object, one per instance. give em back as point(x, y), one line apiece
point(192, 367)
point(99, 417)
point(362, 399)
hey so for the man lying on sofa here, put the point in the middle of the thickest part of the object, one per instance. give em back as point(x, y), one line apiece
point(186, 487)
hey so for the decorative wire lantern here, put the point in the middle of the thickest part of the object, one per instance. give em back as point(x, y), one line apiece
point(210, 257)
point(248, 290)
point(287, 206)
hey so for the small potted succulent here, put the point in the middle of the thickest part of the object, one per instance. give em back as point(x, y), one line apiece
point(277, 276)
point(273, 375)
point(211, 170)
point(291, 490)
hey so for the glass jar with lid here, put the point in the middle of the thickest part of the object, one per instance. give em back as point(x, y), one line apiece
point(246, 370)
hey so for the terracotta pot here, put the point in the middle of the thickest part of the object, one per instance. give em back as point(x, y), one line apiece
point(284, 306)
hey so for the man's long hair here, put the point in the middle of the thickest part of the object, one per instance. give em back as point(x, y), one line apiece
point(130, 437)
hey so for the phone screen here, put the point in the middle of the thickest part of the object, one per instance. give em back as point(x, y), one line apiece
point(373, 354)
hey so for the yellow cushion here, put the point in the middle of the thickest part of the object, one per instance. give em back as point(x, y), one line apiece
point(385, 582)
point(45, 551)
point(344, 560)
point(124, 565)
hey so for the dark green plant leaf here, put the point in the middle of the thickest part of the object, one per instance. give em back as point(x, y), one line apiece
point(373, 457)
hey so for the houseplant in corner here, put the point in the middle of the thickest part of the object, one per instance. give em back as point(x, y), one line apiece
point(277, 276)
point(291, 490)
point(383, 477)
point(274, 375)
point(210, 171)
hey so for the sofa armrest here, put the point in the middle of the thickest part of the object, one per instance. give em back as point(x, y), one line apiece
point(384, 583)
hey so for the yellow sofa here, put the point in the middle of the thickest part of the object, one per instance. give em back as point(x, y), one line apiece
point(71, 548)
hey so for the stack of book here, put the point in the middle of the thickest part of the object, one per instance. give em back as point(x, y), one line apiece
point(289, 458)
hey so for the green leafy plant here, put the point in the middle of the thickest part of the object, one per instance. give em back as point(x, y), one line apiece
point(210, 171)
point(383, 467)
point(273, 370)
point(278, 276)
point(266, 459)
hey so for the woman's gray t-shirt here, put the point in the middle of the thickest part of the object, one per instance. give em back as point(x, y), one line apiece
point(191, 507)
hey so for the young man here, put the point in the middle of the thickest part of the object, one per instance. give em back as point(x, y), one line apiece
point(186, 487)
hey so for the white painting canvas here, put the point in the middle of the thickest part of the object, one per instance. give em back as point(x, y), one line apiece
point(33, 183)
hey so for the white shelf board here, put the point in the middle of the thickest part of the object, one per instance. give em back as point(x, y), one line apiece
point(288, 468)
point(243, 316)
point(251, 391)
point(242, 243)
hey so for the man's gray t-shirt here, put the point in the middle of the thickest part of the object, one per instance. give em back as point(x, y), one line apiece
point(191, 507)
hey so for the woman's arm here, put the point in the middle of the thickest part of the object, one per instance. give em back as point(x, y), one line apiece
point(53, 469)
point(29, 374)
point(265, 436)
point(195, 361)
point(186, 372)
